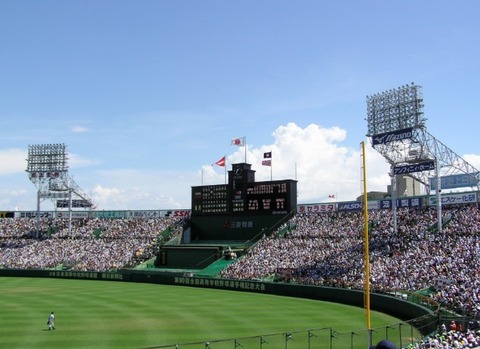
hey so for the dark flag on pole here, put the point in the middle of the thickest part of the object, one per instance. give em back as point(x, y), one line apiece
point(267, 159)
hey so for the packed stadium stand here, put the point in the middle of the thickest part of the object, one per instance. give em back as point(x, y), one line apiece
point(327, 249)
point(88, 244)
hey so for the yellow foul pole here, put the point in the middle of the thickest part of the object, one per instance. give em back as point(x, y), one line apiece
point(367, 256)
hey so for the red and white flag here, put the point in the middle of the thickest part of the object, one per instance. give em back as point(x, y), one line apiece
point(220, 162)
point(239, 142)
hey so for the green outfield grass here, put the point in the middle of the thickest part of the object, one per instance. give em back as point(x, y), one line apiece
point(106, 314)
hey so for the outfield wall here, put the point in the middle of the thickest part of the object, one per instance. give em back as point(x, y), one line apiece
point(424, 318)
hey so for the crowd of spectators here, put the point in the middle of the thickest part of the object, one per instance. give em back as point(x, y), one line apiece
point(328, 249)
point(450, 336)
point(83, 244)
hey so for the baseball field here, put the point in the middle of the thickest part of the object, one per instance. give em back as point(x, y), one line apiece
point(108, 315)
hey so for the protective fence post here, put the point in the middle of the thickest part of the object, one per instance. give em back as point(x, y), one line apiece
point(310, 335)
point(351, 339)
point(288, 336)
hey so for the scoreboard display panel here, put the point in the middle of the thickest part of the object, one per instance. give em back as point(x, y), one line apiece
point(210, 199)
point(269, 197)
point(265, 198)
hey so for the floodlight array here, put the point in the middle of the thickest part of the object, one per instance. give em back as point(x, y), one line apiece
point(47, 159)
point(395, 109)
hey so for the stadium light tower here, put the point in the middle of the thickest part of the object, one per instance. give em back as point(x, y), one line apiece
point(397, 127)
point(47, 168)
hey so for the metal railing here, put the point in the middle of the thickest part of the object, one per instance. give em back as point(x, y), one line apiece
point(402, 334)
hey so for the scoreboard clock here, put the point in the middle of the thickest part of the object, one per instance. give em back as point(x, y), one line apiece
point(241, 174)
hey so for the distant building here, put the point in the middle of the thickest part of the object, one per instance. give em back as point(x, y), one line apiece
point(406, 186)
point(374, 196)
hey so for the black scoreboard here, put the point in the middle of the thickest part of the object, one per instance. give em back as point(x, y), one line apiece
point(243, 196)
point(210, 199)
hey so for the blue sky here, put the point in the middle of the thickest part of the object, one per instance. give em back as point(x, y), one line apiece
point(148, 94)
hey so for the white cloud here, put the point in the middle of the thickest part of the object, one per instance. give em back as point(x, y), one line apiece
point(15, 198)
point(148, 190)
point(104, 197)
point(13, 161)
point(75, 161)
point(79, 129)
point(473, 160)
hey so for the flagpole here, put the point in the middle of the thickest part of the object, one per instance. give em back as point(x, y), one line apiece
point(245, 142)
point(225, 168)
point(271, 167)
